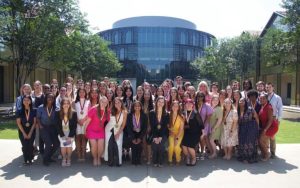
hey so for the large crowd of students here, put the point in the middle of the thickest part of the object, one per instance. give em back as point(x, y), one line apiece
point(174, 119)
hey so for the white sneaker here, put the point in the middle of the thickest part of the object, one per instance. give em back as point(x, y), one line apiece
point(64, 163)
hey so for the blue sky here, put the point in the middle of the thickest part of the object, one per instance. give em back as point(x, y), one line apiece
point(222, 18)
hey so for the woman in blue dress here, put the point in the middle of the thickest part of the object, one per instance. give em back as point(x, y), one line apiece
point(248, 132)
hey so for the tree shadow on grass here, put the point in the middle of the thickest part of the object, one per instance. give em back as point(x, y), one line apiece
point(55, 174)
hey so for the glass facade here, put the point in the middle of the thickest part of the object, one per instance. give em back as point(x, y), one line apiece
point(154, 53)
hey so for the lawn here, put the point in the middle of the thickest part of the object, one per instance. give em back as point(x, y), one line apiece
point(289, 132)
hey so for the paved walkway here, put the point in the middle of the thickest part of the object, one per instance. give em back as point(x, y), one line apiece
point(281, 172)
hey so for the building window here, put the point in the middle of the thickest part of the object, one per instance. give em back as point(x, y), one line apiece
point(128, 37)
point(122, 54)
point(289, 91)
point(182, 38)
point(116, 38)
point(188, 55)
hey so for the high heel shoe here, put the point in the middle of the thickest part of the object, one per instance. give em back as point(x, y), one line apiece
point(194, 162)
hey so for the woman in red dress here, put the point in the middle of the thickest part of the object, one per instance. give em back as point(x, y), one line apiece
point(268, 124)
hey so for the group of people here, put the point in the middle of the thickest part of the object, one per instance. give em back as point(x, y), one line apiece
point(174, 118)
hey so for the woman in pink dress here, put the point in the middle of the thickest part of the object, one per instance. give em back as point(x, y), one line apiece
point(97, 118)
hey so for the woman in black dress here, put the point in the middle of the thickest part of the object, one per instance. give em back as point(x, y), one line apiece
point(136, 129)
point(193, 126)
point(66, 127)
point(159, 121)
point(26, 121)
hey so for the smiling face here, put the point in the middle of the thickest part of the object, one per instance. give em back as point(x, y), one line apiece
point(263, 99)
point(227, 104)
point(160, 103)
point(26, 90)
point(242, 102)
point(118, 103)
point(189, 106)
point(103, 102)
point(137, 107)
point(175, 106)
point(215, 101)
point(26, 101)
point(66, 105)
point(147, 95)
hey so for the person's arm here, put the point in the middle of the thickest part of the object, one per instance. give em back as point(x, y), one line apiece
point(38, 118)
point(58, 126)
point(235, 121)
point(255, 115)
point(220, 119)
point(279, 107)
point(32, 127)
point(270, 119)
point(19, 124)
point(123, 122)
point(57, 103)
point(181, 128)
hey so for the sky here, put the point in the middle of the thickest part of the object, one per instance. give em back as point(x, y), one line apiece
point(221, 18)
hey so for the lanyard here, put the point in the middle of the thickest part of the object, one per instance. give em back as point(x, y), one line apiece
point(49, 113)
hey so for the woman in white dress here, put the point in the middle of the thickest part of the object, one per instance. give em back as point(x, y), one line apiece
point(229, 136)
point(116, 125)
point(81, 108)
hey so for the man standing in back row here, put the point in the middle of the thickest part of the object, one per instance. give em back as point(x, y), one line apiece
point(276, 102)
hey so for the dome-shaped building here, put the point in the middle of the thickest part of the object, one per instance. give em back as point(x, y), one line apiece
point(154, 48)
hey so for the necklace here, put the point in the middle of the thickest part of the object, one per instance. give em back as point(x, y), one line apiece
point(159, 120)
point(187, 117)
point(136, 123)
point(27, 118)
point(117, 120)
point(49, 113)
point(82, 106)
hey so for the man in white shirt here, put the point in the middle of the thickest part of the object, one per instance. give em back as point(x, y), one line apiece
point(276, 102)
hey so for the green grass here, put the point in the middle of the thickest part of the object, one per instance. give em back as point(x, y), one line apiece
point(289, 132)
point(9, 130)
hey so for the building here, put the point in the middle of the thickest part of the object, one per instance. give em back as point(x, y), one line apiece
point(285, 75)
point(154, 48)
point(8, 92)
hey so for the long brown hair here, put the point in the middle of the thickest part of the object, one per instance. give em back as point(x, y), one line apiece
point(172, 113)
point(114, 110)
point(163, 108)
point(61, 111)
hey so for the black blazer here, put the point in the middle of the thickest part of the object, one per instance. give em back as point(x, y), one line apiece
point(161, 131)
point(129, 126)
point(72, 125)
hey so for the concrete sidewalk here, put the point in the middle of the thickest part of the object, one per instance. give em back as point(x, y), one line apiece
point(281, 172)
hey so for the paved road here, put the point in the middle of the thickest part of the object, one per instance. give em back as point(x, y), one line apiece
point(281, 172)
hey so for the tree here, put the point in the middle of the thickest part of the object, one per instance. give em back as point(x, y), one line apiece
point(292, 19)
point(228, 59)
point(35, 30)
point(90, 56)
point(276, 48)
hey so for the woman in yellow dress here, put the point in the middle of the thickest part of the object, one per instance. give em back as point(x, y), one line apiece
point(176, 126)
